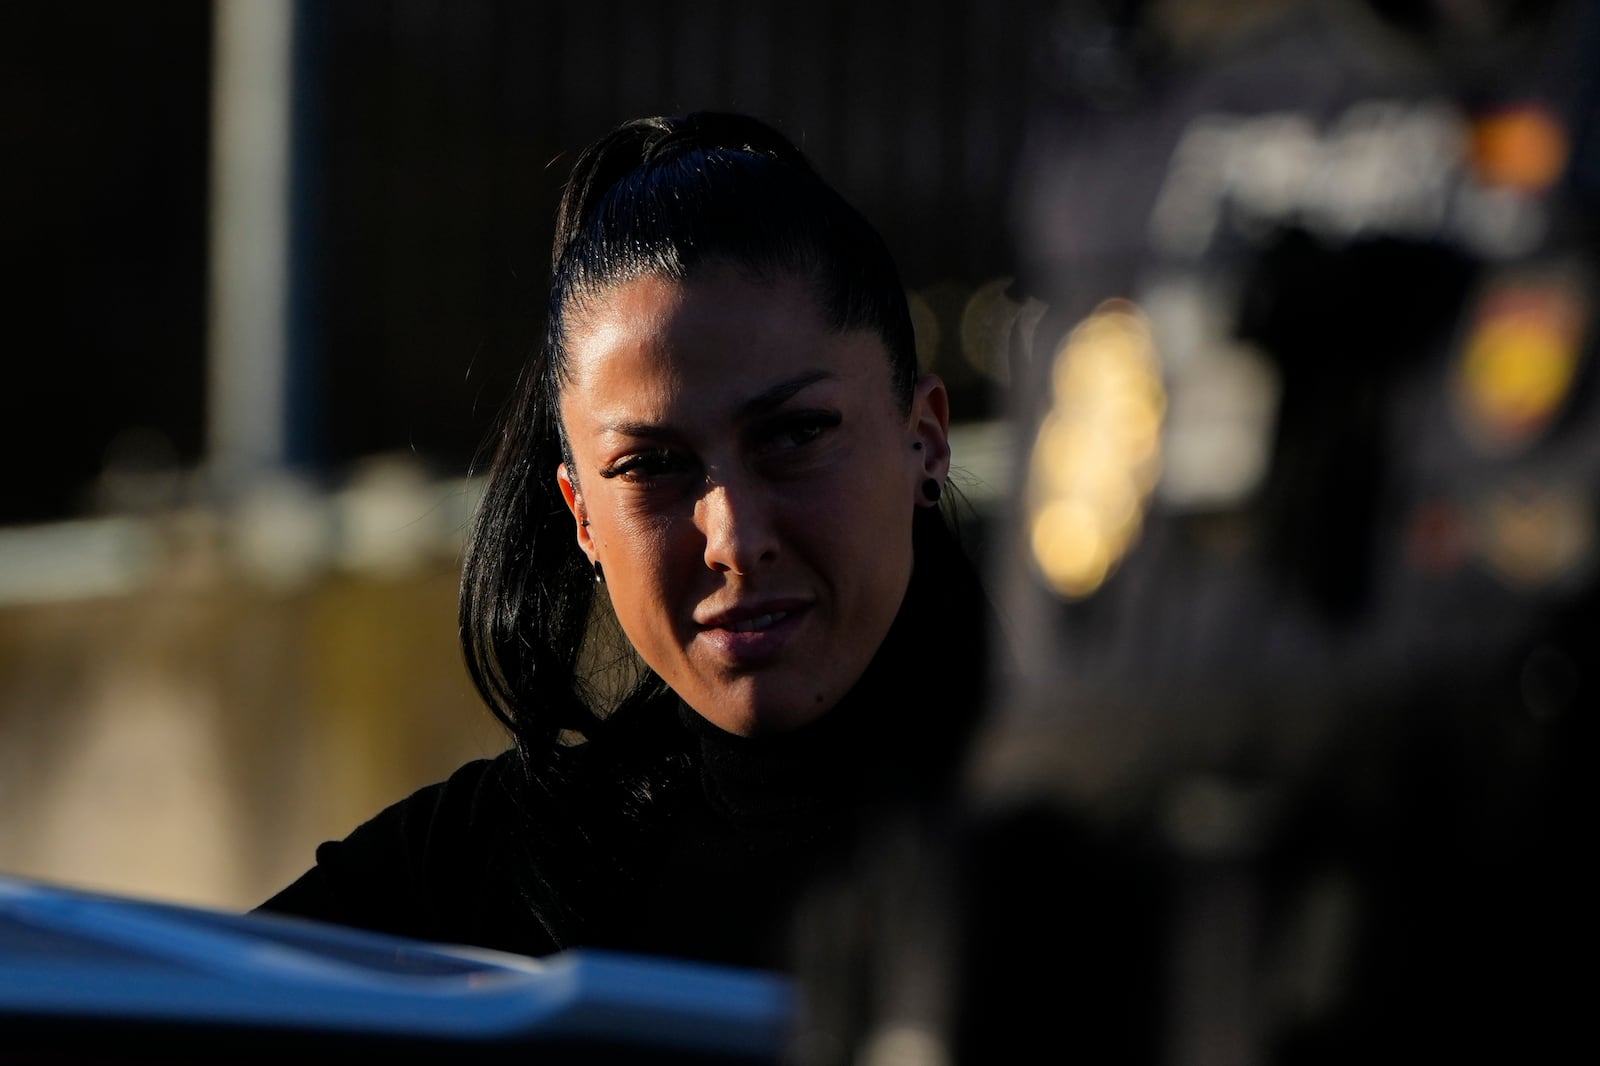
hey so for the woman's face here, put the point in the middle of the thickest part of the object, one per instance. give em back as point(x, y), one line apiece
point(747, 480)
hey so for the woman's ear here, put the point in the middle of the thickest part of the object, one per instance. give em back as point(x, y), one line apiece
point(930, 429)
point(580, 515)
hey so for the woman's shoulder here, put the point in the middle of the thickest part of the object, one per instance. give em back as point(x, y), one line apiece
point(432, 865)
point(446, 815)
point(441, 819)
point(506, 852)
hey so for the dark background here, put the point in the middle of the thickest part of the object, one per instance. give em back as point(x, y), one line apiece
point(429, 143)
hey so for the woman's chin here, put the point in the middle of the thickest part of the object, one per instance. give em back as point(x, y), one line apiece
point(763, 707)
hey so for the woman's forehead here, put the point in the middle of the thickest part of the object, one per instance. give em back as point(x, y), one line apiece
point(719, 346)
point(724, 316)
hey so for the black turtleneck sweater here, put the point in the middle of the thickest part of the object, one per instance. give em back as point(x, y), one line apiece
point(665, 835)
point(712, 866)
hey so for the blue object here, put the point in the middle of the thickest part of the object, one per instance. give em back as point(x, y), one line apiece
point(77, 966)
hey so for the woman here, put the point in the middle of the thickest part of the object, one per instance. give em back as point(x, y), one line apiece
point(709, 589)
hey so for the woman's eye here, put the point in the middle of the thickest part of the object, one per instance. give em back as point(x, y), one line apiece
point(644, 466)
point(794, 436)
point(798, 431)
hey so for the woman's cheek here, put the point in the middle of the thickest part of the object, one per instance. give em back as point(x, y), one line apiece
point(661, 550)
point(639, 516)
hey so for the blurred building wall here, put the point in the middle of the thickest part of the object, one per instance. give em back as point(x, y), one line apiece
point(191, 715)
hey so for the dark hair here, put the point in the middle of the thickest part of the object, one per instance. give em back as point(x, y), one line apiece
point(665, 197)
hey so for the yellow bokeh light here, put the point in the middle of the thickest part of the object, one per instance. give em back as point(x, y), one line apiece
point(1069, 548)
point(1522, 359)
point(1520, 369)
point(1097, 454)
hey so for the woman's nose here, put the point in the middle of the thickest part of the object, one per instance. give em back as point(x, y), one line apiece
point(738, 528)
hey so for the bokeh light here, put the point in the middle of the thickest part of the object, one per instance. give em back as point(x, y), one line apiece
point(1097, 454)
point(991, 321)
point(1521, 147)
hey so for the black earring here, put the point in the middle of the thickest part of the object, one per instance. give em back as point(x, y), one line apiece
point(916, 446)
point(599, 574)
point(931, 489)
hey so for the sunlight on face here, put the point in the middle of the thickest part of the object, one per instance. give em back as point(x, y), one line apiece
point(747, 479)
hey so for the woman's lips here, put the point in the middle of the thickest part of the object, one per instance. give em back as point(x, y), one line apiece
point(745, 638)
point(753, 624)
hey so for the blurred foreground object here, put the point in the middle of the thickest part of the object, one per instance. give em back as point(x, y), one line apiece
point(108, 979)
point(1301, 567)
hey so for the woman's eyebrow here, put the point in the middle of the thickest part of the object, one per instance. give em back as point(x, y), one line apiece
point(770, 399)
